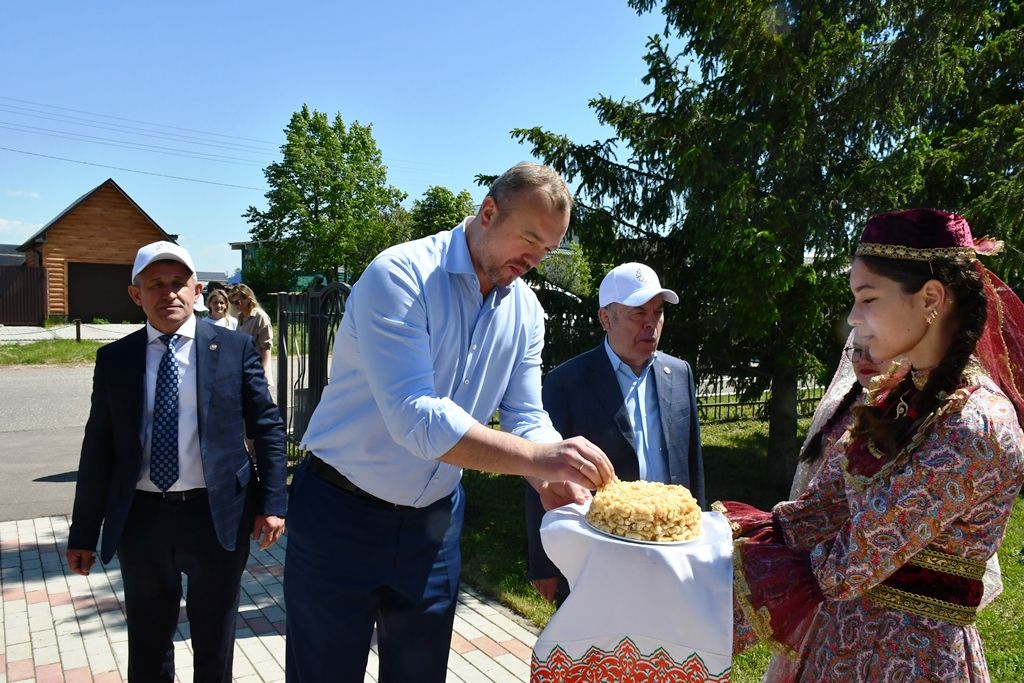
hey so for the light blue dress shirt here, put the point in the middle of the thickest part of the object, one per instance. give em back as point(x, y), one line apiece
point(419, 358)
point(641, 400)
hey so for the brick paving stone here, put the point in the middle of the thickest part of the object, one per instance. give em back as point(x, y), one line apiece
point(49, 673)
point(61, 626)
point(77, 676)
point(21, 670)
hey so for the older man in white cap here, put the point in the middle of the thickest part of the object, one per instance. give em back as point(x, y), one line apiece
point(637, 404)
point(165, 473)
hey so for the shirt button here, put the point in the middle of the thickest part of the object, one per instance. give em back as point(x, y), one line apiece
point(473, 347)
point(466, 382)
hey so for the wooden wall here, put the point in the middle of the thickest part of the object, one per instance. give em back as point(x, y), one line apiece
point(105, 227)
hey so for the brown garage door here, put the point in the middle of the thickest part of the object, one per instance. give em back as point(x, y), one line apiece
point(100, 290)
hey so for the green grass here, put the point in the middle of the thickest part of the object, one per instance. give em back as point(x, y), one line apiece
point(49, 352)
point(494, 545)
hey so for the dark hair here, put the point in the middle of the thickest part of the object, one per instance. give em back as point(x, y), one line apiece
point(962, 279)
point(812, 451)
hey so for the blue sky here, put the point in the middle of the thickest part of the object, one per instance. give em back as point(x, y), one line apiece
point(441, 82)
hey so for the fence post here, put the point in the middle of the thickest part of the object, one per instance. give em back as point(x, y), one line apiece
point(78, 330)
point(282, 357)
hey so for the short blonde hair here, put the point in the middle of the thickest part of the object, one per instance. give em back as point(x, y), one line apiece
point(526, 176)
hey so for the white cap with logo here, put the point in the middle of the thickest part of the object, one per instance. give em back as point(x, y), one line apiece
point(161, 251)
point(632, 284)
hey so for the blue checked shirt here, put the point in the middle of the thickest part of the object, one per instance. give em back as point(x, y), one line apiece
point(419, 358)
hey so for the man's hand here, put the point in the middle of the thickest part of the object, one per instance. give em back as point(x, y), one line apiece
point(554, 494)
point(270, 527)
point(574, 460)
point(548, 588)
point(80, 561)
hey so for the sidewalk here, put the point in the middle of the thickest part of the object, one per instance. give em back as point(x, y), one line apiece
point(58, 626)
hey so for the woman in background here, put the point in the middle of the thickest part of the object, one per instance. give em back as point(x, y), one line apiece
point(217, 302)
point(254, 321)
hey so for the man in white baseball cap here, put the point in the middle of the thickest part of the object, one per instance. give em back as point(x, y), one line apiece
point(634, 402)
point(161, 251)
point(164, 474)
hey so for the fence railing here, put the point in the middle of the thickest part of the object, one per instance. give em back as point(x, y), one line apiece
point(306, 326)
point(719, 400)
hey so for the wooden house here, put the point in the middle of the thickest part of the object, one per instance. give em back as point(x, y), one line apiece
point(88, 251)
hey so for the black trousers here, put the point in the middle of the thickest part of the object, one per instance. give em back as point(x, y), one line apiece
point(161, 541)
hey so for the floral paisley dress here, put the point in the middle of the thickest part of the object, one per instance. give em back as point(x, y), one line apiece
point(893, 550)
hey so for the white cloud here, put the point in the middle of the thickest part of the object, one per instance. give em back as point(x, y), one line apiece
point(23, 193)
point(17, 231)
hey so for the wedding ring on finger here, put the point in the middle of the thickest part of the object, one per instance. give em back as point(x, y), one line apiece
point(582, 465)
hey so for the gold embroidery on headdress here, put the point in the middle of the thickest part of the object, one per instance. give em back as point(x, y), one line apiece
point(899, 251)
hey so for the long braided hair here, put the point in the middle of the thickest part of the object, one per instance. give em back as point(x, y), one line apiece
point(962, 279)
point(812, 451)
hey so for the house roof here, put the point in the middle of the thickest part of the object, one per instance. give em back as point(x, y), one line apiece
point(40, 236)
point(10, 256)
point(211, 276)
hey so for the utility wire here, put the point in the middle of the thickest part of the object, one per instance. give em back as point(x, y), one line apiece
point(132, 170)
point(81, 137)
point(129, 130)
point(146, 123)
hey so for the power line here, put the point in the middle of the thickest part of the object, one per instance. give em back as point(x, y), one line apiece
point(141, 146)
point(132, 170)
point(146, 123)
point(129, 130)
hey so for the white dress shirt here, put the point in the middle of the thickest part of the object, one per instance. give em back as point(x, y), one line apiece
point(190, 460)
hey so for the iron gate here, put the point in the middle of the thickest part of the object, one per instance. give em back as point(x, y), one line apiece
point(307, 323)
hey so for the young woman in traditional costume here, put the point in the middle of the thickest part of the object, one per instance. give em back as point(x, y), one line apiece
point(875, 572)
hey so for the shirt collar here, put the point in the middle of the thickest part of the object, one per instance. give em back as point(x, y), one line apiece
point(618, 363)
point(187, 330)
point(458, 260)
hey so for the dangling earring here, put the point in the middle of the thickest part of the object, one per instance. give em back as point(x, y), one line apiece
point(930, 318)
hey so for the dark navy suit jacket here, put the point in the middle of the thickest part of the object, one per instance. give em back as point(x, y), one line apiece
point(232, 400)
point(583, 398)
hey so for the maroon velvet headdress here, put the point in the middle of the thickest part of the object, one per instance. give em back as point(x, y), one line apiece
point(921, 235)
point(927, 234)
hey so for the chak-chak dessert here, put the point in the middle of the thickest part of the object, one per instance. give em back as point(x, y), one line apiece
point(645, 511)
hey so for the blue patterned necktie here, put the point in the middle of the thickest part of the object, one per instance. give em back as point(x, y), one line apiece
point(163, 465)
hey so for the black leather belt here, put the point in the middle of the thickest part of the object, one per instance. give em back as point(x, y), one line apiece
point(336, 478)
point(173, 496)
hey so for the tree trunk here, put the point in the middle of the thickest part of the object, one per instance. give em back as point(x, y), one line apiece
point(782, 441)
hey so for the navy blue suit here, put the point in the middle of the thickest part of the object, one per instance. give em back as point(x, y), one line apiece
point(583, 398)
point(207, 536)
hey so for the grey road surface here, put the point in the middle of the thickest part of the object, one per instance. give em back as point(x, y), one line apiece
point(43, 410)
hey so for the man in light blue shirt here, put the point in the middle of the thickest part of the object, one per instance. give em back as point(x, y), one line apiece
point(636, 403)
point(438, 334)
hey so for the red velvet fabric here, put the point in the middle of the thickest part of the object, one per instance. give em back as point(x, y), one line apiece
point(958, 590)
point(919, 229)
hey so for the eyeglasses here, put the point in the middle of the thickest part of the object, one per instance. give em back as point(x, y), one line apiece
point(857, 354)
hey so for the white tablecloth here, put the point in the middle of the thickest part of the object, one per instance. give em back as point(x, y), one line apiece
point(637, 612)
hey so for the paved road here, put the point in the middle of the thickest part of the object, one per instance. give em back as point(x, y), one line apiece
point(43, 410)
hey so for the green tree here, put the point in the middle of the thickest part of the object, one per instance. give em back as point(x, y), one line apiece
point(568, 269)
point(439, 209)
point(330, 207)
point(770, 131)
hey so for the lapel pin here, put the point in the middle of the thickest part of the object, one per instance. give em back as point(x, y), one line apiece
point(667, 370)
point(213, 347)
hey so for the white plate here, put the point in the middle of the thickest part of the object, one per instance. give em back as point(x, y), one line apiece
point(636, 540)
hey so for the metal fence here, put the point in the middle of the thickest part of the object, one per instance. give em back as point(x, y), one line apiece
point(22, 295)
point(719, 400)
point(307, 323)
